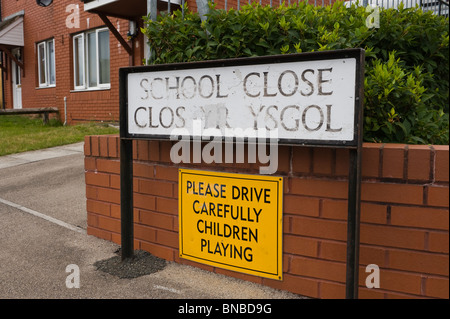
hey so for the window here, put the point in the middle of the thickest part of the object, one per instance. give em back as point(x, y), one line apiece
point(91, 59)
point(46, 63)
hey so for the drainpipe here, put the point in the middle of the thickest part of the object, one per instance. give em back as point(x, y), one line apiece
point(1, 58)
point(3, 82)
point(65, 110)
point(152, 9)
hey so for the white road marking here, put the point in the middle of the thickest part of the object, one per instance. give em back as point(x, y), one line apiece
point(43, 216)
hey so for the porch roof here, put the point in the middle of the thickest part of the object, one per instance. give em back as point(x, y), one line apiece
point(127, 9)
point(11, 31)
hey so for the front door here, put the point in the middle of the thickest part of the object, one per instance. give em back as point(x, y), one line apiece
point(16, 85)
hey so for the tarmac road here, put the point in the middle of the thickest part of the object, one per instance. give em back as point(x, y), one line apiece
point(43, 230)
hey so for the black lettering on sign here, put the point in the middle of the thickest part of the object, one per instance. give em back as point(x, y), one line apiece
point(199, 188)
point(250, 194)
point(226, 250)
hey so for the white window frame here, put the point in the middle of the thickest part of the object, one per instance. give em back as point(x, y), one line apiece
point(75, 71)
point(84, 60)
point(44, 44)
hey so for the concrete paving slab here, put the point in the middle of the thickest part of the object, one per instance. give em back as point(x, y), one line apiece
point(39, 155)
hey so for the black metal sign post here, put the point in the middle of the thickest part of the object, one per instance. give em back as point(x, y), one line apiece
point(354, 189)
point(354, 146)
point(126, 174)
point(354, 195)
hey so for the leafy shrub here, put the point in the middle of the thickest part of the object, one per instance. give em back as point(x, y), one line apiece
point(407, 58)
point(419, 39)
point(396, 108)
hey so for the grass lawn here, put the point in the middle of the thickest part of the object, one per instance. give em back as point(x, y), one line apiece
point(21, 134)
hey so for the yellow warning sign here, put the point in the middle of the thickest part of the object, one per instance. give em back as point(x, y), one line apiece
point(232, 221)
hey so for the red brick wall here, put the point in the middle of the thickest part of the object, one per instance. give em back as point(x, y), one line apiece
point(404, 213)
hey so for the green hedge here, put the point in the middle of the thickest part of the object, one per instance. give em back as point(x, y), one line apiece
point(407, 57)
